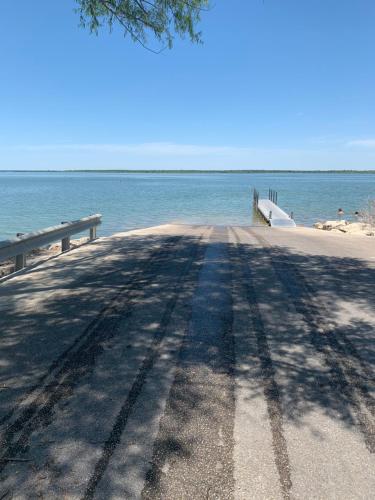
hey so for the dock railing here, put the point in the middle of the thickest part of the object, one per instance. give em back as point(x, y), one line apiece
point(272, 196)
point(255, 198)
point(24, 243)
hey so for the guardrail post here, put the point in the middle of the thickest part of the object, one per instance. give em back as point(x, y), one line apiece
point(291, 215)
point(20, 262)
point(92, 233)
point(65, 244)
point(270, 215)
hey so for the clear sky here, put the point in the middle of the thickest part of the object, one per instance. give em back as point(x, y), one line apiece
point(277, 84)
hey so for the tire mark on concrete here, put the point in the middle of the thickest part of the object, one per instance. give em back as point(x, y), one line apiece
point(101, 316)
point(344, 343)
point(268, 374)
point(323, 337)
point(356, 368)
point(81, 356)
point(122, 417)
point(193, 452)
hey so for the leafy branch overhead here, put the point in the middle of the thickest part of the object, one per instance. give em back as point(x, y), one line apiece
point(140, 18)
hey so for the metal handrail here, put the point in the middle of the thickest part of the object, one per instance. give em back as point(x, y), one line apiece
point(20, 246)
point(255, 198)
point(272, 196)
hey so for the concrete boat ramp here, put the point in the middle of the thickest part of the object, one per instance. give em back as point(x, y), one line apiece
point(191, 362)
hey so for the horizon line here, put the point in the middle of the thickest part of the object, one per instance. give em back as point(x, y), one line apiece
point(213, 171)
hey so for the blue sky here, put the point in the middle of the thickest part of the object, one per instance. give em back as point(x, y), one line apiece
point(277, 84)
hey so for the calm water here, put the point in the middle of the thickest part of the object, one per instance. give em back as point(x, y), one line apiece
point(30, 201)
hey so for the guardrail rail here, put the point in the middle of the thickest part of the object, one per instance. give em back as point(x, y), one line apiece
point(20, 246)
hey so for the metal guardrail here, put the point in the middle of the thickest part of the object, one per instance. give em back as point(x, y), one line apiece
point(24, 243)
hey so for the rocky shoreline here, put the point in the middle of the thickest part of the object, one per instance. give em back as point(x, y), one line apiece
point(38, 255)
point(346, 227)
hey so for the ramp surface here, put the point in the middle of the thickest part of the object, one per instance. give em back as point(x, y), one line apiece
point(190, 362)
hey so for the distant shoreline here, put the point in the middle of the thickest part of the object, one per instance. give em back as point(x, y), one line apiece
point(181, 171)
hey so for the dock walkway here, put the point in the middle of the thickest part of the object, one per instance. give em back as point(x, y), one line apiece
point(191, 362)
point(279, 218)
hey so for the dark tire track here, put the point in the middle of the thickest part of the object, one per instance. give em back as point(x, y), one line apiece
point(344, 378)
point(242, 260)
point(102, 314)
point(81, 356)
point(122, 417)
point(195, 439)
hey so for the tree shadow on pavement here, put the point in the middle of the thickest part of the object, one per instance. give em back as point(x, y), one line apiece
point(79, 341)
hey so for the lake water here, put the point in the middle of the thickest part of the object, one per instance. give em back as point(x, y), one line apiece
point(30, 201)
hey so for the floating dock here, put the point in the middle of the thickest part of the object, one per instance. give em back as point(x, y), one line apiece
point(271, 212)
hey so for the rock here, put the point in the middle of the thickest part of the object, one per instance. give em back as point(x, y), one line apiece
point(6, 268)
point(330, 224)
point(55, 247)
point(355, 227)
point(344, 226)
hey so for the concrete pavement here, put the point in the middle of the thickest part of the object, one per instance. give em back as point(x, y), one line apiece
point(191, 362)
